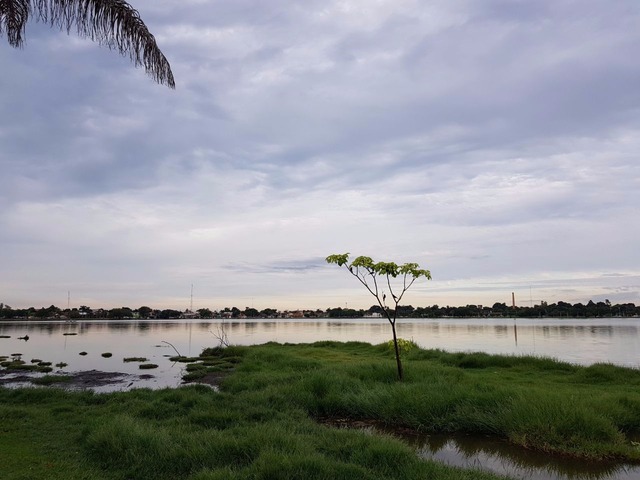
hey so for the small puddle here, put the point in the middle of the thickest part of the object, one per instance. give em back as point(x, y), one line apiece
point(500, 457)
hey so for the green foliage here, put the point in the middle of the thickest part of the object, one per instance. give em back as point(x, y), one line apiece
point(191, 433)
point(261, 424)
point(339, 259)
point(404, 346)
point(147, 366)
point(535, 402)
point(134, 359)
point(391, 269)
point(367, 272)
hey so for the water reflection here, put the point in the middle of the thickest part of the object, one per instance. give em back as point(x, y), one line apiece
point(504, 459)
point(577, 341)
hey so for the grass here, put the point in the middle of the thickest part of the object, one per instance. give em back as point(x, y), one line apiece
point(135, 359)
point(147, 366)
point(16, 364)
point(587, 412)
point(263, 424)
point(189, 433)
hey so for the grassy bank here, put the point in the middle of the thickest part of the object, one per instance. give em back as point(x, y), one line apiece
point(590, 412)
point(262, 424)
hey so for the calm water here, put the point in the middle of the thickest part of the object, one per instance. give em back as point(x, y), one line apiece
point(577, 341)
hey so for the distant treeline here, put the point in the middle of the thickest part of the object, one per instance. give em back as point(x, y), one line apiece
point(500, 310)
point(543, 310)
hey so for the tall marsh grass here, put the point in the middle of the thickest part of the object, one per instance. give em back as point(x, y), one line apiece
point(262, 424)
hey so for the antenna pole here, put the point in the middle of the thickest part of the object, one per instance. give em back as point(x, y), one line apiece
point(191, 304)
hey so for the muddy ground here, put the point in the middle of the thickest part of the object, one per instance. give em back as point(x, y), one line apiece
point(93, 379)
point(75, 380)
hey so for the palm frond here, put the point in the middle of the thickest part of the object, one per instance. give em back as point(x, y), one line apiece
point(113, 23)
point(13, 18)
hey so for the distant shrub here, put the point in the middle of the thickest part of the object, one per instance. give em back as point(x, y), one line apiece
point(404, 346)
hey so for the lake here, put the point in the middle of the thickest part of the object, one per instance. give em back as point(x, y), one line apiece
point(583, 342)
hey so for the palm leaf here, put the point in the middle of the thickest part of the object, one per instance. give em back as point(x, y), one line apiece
point(113, 23)
point(13, 17)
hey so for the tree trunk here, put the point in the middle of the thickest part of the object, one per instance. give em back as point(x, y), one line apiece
point(397, 350)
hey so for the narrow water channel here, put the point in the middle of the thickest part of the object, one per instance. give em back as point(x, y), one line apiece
point(504, 459)
point(496, 456)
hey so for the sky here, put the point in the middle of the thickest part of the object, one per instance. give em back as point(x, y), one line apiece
point(494, 142)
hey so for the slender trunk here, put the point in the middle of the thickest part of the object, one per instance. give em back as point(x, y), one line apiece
point(397, 350)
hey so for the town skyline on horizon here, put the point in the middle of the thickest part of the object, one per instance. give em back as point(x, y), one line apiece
point(192, 307)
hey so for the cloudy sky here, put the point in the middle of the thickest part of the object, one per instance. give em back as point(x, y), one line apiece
point(494, 142)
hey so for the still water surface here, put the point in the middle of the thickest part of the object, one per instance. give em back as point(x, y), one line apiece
point(577, 341)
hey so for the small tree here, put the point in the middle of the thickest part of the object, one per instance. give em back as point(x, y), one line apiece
point(369, 272)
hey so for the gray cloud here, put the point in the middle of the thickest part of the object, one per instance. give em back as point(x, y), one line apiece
point(285, 266)
point(493, 141)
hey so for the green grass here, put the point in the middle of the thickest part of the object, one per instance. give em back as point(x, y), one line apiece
point(538, 403)
point(147, 366)
point(189, 433)
point(135, 359)
point(262, 424)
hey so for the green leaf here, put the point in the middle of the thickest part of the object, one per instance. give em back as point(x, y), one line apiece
point(363, 262)
point(338, 259)
point(387, 268)
point(414, 270)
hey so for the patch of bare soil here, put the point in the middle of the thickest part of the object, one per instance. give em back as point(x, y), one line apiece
point(211, 378)
point(96, 378)
point(77, 380)
point(7, 378)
